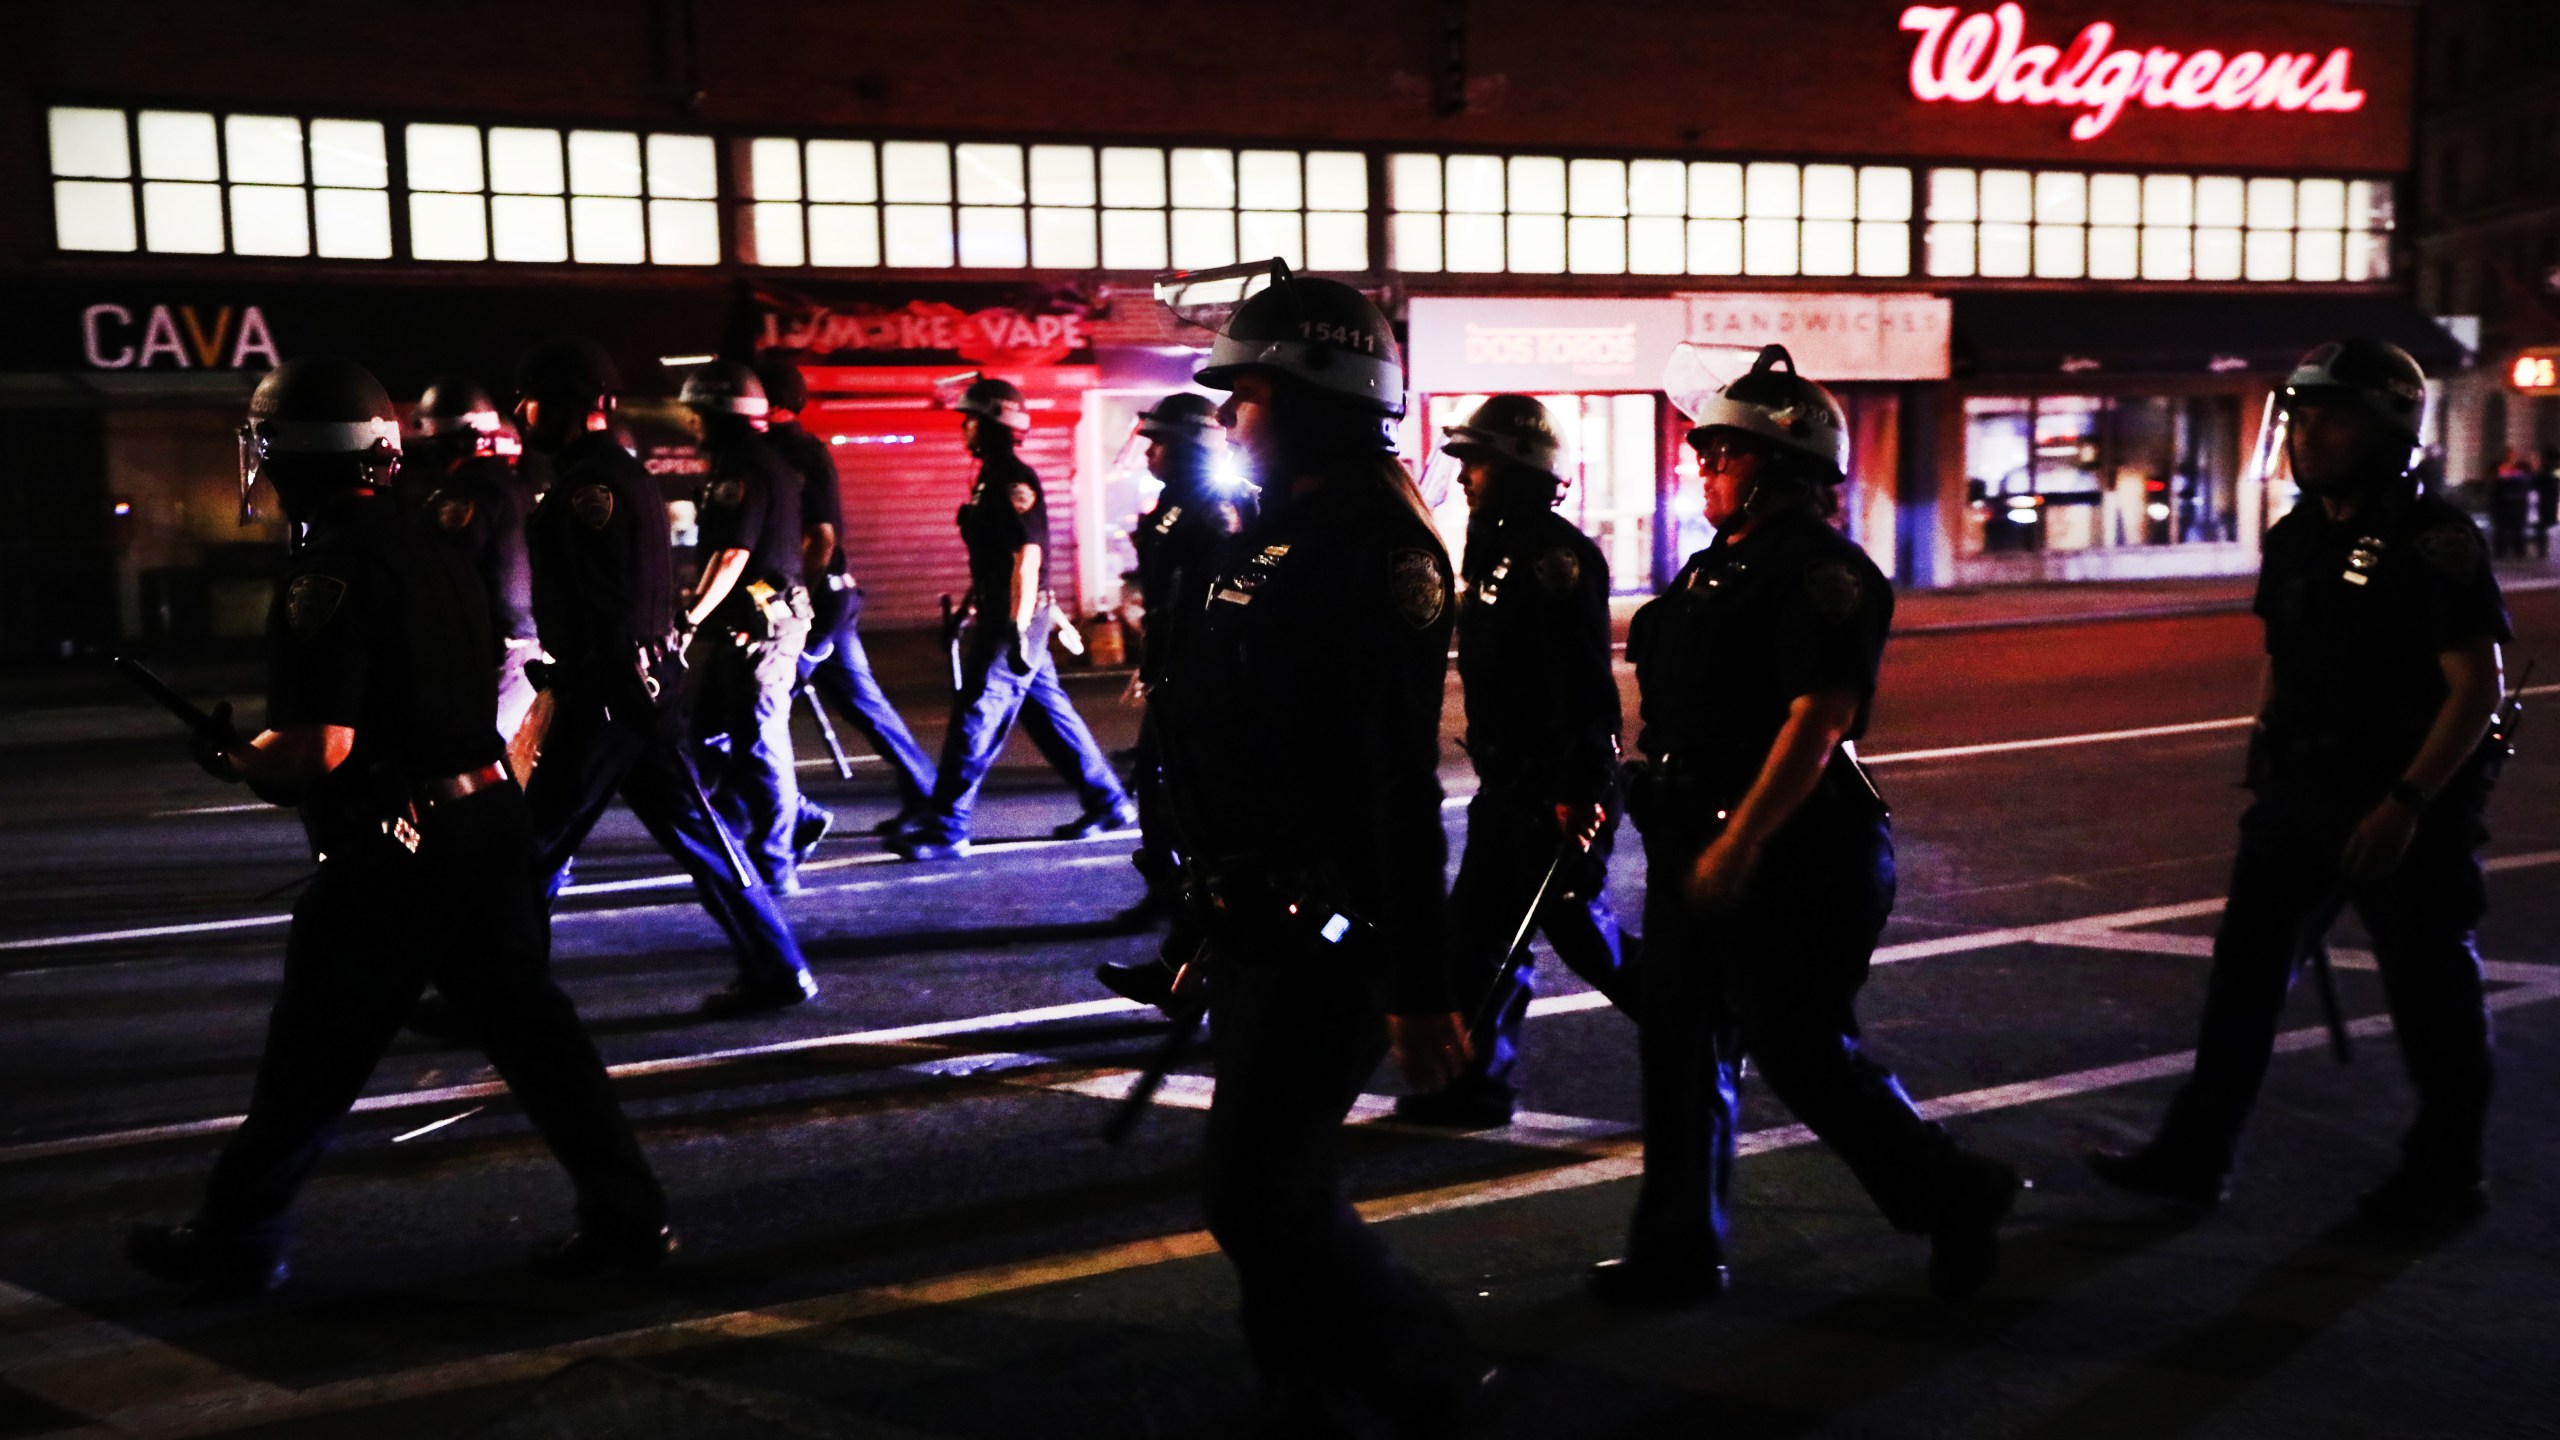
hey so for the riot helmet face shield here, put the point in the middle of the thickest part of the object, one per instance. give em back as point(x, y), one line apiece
point(1320, 334)
point(317, 427)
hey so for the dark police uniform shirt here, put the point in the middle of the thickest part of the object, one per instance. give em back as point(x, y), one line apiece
point(751, 501)
point(603, 562)
point(379, 627)
point(821, 498)
point(1533, 655)
point(477, 507)
point(2356, 614)
point(1750, 625)
point(1301, 717)
point(1178, 543)
point(1004, 512)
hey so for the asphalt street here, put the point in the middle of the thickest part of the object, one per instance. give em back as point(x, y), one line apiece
point(898, 1220)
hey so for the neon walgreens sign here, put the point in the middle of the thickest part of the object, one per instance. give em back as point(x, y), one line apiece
point(1981, 58)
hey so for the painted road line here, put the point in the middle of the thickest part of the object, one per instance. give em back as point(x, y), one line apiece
point(256, 1403)
point(95, 1367)
point(682, 1064)
point(2056, 932)
point(2055, 742)
point(601, 887)
point(2095, 737)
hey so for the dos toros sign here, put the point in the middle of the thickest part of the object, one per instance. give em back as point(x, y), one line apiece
point(1985, 57)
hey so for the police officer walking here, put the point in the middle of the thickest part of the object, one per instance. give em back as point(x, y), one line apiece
point(834, 665)
point(604, 595)
point(382, 727)
point(465, 491)
point(1004, 665)
point(1178, 541)
point(754, 614)
point(2370, 770)
point(1770, 859)
point(1542, 729)
point(1300, 719)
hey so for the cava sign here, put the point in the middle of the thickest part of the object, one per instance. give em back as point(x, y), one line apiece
point(1983, 57)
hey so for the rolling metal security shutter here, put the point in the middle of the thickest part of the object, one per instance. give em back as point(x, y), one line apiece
point(904, 472)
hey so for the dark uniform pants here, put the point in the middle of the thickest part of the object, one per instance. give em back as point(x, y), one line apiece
point(839, 670)
point(1328, 1311)
point(743, 713)
point(1511, 838)
point(367, 937)
point(1158, 859)
point(586, 760)
point(982, 715)
point(2286, 889)
point(1777, 980)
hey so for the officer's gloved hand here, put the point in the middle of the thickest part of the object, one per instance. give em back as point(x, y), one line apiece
point(1582, 821)
point(537, 673)
point(206, 746)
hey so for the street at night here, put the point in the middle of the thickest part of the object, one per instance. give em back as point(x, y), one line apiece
point(1362, 720)
point(897, 1219)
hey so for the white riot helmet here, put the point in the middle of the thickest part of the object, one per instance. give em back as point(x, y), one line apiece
point(1782, 408)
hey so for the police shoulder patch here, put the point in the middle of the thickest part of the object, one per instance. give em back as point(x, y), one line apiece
point(1559, 569)
point(1025, 495)
point(726, 493)
point(1835, 589)
point(452, 513)
point(311, 601)
point(592, 504)
point(1419, 588)
point(2454, 548)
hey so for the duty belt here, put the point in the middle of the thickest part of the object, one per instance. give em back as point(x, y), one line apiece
point(444, 789)
point(1252, 891)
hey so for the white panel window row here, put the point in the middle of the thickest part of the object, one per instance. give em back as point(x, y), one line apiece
point(922, 204)
point(211, 184)
point(537, 195)
point(2065, 225)
point(1545, 214)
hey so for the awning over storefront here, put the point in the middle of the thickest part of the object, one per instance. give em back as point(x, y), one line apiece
point(2034, 333)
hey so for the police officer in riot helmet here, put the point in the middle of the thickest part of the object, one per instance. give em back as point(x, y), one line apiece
point(1542, 730)
point(1178, 541)
point(604, 596)
point(1300, 718)
point(755, 613)
point(381, 725)
point(1002, 664)
point(2370, 764)
point(834, 666)
point(464, 488)
point(1770, 858)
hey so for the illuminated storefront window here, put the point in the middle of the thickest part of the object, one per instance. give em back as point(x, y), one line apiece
point(1543, 214)
point(598, 197)
point(927, 204)
point(1611, 458)
point(2066, 225)
point(2096, 472)
point(272, 185)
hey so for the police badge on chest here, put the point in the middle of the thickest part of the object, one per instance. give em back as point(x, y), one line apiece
point(2362, 561)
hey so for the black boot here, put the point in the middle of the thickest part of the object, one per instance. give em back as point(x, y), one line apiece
point(1149, 982)
point(1643, 1285)
point(742, 999)
point(2415, 1204)
point(2162, 1175)
point(1964, 1244)
point(211, 1267)
point(604, 1252)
